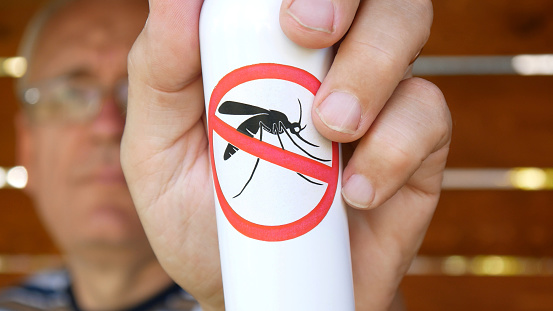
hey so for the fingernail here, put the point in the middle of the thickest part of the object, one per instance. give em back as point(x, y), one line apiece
point(358, 191)
point(341, 112)
point(313, 14)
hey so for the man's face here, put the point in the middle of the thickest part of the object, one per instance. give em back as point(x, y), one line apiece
point(75, 175)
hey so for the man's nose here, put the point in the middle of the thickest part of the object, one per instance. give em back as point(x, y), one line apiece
point(110, 122)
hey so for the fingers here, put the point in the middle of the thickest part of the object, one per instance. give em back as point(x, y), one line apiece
point(317, 24)
point(170, 32)
point(398, 168)
point(414, 125)
point(394, 232)
point(373, 58)
point(165, 88)
point(164, 150)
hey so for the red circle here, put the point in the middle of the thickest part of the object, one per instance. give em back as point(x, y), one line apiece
point(314, 217)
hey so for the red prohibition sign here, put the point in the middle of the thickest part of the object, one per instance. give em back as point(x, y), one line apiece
point(270, 153)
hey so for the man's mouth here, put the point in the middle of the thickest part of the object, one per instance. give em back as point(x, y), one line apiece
point(107, 176)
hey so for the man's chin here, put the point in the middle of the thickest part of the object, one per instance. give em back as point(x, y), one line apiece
point(109, 251)
point(112, 235)
point(112, 218)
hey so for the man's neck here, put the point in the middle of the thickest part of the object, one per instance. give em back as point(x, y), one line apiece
point(116, 286)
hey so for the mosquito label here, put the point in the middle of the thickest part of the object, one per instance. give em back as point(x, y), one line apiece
point(275, 176)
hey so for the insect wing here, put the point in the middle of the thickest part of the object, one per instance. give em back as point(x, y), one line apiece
point(236, 108)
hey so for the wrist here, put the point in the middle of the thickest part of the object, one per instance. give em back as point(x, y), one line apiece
point(209, 307)
point(213, 304)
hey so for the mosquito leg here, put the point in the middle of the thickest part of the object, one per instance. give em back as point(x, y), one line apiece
point(305, 141)
point(280, 140)
point(312, 156)
point(254, 168)
point(309, 180)
point(302, 176)
point(250, 179)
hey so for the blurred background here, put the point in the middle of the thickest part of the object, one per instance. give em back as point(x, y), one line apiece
point(490, 244)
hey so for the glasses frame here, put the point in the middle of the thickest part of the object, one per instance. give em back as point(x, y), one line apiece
point(36, 96)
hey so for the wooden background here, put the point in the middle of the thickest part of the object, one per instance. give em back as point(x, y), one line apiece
point(499, 121)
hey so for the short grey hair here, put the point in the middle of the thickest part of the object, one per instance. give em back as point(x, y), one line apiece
point(32, 33)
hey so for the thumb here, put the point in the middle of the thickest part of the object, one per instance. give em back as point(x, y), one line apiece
point(317, 24)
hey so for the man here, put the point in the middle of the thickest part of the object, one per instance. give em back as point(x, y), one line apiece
point(70, 130)
point(69, 135)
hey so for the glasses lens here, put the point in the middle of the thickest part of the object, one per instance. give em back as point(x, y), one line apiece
point(68, 100)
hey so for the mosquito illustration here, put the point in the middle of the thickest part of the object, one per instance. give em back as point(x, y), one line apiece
point(272, 121)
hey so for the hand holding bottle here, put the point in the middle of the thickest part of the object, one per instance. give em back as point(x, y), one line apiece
point(399, 125)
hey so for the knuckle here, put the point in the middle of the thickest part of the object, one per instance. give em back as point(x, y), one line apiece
point(398, 153)
point(136, 59)
point(424, 7)
point(425, 91)
point(422, 14)
point(132, 60)
point(400, 158)
point(383, 59)
point(434, 104)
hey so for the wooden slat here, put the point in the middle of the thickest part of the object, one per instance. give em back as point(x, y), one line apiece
point(480, 266)
point(13, 18)
point(7, 132)
point(491, 222)
point(504, 121)
point(20, 228)
point(21, 231)
point(10, 279)
point(14, 15)
point(520, 178)
point(478, 293)
point(478, 27)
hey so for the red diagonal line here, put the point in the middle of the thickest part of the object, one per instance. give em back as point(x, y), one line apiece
point(270, 153)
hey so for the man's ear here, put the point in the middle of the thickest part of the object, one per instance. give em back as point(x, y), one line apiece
point(24, 145)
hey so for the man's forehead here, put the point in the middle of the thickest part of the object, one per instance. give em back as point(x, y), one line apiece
point(82, 26)
point(75, 15)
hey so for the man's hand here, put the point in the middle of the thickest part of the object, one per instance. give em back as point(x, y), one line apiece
point(399, 125)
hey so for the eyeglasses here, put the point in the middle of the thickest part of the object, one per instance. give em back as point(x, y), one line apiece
point(71, 99)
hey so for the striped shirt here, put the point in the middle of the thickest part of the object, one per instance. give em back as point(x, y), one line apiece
point(51, 291)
